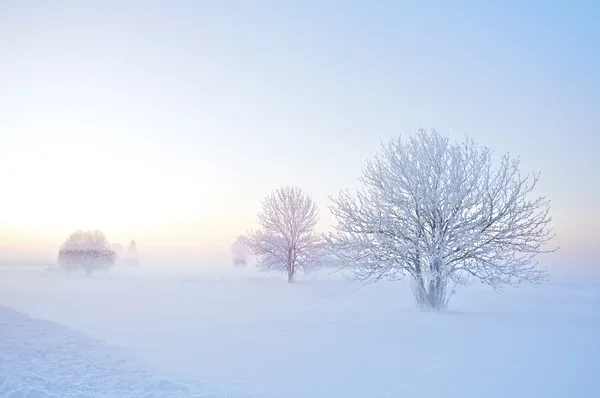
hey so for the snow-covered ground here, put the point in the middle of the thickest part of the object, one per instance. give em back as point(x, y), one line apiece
point(188, 332)
point(44, 359)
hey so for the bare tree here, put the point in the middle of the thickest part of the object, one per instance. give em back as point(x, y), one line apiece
point(240, 251)
point(440, 213)
point(89, 250)
point(286, 241)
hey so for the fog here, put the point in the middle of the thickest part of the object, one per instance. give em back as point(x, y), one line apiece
point(186, 325)
point(402, 140)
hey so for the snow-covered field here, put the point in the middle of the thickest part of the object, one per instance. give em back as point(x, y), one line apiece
point(189, 332)
point(40, 358)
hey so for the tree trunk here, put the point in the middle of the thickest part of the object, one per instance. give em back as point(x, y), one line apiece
point(430, 296)
point(291, 272)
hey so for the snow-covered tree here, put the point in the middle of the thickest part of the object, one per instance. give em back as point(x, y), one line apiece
point(132, 253)
point(442, 213)
point(240, 251)
point(132, 250)
point(88, 250)
point(286, 241)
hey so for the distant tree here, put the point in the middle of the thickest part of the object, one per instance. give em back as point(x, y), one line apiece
point(87, 250)
point(132, 250)
point(132, 253)
point(442, 214)
point(286, 241)
point(240, 251)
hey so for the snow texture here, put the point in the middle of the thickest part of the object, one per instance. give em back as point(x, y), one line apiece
point(245, 333)
point(44, 359)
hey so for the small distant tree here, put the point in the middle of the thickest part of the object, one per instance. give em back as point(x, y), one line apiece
point(240, 251)
point(132, 253)
point(442, 214)
point(132, 250)
point(87, 250)
point(286, 241)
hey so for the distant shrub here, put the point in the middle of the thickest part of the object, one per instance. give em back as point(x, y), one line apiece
point(240, 251)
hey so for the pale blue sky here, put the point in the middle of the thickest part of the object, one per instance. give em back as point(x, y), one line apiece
point(175, 118)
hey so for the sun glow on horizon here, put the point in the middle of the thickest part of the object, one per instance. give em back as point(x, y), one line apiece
point(54, 188)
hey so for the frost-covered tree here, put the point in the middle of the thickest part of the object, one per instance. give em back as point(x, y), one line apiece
point(87, 250)
point(442, 213)
point(132, 250)
point(286, 241)
point(132, 253)
point(240, 251)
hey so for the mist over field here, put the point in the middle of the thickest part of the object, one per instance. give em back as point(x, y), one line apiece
point(299, 199)
point(174, 328)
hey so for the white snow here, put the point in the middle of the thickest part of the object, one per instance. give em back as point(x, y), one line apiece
point(43, 359)
point(188, 332)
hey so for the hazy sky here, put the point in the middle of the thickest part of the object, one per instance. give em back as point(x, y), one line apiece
point(168, 121)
